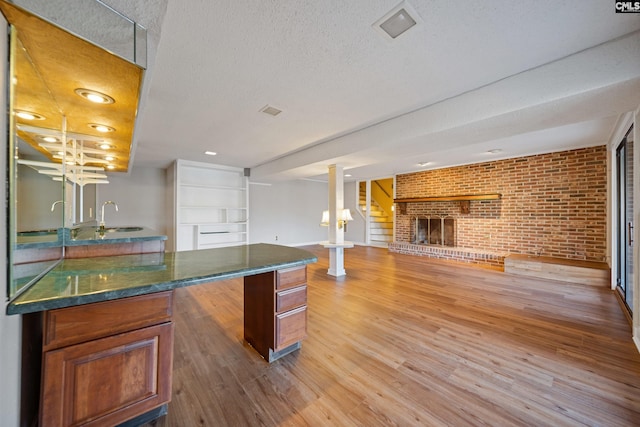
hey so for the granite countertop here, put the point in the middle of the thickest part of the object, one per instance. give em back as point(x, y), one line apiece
point(93, 235)
point(49, 238)
point(86, 280)
point(84, 236)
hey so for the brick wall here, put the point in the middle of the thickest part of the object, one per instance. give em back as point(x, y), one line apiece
point(552, 204)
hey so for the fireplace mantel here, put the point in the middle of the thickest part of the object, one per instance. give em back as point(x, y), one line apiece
point(463, 199)
point(489, 196)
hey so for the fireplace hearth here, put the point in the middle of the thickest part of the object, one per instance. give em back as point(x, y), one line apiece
point(435, 230)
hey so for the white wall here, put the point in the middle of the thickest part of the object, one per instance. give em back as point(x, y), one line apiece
point(36, 193)
point(141, 199)
point(10, 329)
point(287, 213)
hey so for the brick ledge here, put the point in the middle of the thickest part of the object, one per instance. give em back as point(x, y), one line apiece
point(468, 255)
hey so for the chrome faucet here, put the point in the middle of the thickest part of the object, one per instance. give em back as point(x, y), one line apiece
point(53, 206)
point(102, 214)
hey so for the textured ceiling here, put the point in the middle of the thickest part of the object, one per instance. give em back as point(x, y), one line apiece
point(522, 76)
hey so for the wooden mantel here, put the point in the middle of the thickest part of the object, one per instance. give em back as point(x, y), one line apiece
point(490, 196)
point(463, 199)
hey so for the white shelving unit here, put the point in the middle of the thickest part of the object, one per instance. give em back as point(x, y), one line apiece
point(210, 206)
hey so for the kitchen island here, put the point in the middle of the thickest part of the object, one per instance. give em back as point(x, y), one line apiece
point(107, 323)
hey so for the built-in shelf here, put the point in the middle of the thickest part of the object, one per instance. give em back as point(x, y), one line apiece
point(210, 205)
point(464, 200)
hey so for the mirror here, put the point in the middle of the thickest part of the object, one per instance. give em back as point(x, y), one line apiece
point(83, 103)
point(35, 245)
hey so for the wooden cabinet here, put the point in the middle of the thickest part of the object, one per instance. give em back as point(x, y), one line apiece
point(275, 311)
point(210, 206)
point(108, 362)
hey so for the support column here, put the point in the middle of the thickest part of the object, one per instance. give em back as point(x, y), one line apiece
point(336, 203)
point(336, 242)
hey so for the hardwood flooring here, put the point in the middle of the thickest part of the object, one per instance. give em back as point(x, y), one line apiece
point(407, 341)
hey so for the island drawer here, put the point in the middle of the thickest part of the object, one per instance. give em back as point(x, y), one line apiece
point(291, 298)
point(291, 327)
point(73, 325)
point(291, 277)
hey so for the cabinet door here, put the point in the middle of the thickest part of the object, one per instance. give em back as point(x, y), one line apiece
point(108, 381)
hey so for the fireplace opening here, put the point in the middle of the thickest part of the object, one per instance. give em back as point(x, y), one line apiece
point(435, 230)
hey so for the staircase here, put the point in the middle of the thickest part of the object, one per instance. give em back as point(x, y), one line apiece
point(381, 224)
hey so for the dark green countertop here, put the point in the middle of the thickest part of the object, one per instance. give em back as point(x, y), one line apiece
point(93, 236)
point(86, 280)
point(83, 236)
point(49, 238)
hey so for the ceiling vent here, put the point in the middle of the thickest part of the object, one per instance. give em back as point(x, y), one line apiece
point(397, 21)
point(272, 111)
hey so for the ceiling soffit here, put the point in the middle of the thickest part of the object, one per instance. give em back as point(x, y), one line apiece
point(62, 63)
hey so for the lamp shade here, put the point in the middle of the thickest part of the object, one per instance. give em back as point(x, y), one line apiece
point(346, 215)
point(325, 218)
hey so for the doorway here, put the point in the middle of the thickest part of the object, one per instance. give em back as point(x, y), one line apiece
point(375, 204)
point(624, 178)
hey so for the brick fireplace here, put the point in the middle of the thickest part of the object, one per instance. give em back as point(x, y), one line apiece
point(435, 230)
point(551, 205)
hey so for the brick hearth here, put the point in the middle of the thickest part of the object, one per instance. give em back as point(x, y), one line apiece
point(468, 255)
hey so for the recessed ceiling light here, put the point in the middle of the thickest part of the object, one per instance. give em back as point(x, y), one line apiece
point(104, 146)
point(101, 128)
point(50, 139)
point(347, 175)
point(210, 153)
point(111, 167)
point(423, 164)
point(109, 158)
point(494, 151)
point(272, 111)
point(28, 115)
point(398, 20)
point(94, 96)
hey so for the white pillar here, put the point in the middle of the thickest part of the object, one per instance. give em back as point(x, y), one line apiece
point(336, 235)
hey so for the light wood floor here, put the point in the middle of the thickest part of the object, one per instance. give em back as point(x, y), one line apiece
point(406, 341)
